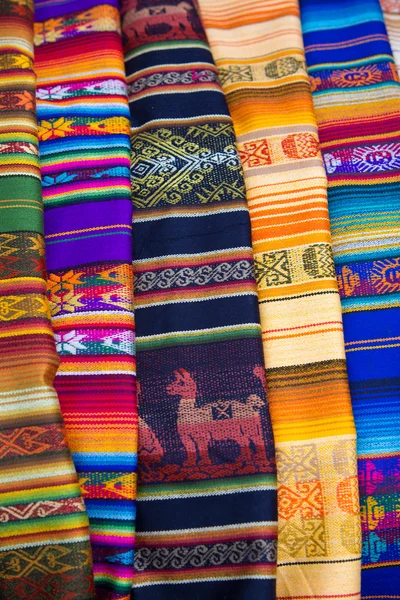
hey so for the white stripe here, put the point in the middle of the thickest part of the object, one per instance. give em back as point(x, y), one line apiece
point(26, 405)
point(95, 312)
point(27, 390)
point(49, 471)
point(110, 372)
point(189, 120)
point(17, 42)
point(200, 254)
point(192, 215)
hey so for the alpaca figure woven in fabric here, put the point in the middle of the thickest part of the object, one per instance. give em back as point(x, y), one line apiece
point(44, 541)
point(84, 148)
point(206, 506)
point(260, 59)
point(357, 103)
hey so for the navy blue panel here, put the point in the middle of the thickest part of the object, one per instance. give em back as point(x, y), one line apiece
point(247, 589)
point(206, 511)
point(176, 55)
point(176, 106)
point(196, 315)
point(192, 235)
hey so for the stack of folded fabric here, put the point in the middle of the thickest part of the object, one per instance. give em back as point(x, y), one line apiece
point(225, 176)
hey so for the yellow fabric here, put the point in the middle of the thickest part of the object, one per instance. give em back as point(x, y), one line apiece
point(259, 53)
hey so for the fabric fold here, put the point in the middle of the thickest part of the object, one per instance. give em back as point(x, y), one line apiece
point(357, 101)
point(259, 53)
point(206, 520)
point(391, 13)
point(83, 121)
point(44, 542)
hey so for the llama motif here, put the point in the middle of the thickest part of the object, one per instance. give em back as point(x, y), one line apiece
point(200, 427)
point(150, 450)
point(167, 19)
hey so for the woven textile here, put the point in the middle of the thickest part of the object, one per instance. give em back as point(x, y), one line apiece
point(206, 509)
point(391, 13)
point(357, 101)
point(259, 53)
point(83, 123)
point(44, 547)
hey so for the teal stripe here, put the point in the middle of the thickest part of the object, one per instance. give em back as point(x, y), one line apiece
point(329, 17)
point(377, 59)
point(366, 88)
point(370, 303)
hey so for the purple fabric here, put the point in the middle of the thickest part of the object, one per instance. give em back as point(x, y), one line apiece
point(49, 9)
point(96, 232)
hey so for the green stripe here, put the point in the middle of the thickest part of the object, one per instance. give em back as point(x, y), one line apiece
point(30, 159)
point(79, 519)
point(60, 493)
point(82, 196)
point(27, 218)
point(166, 46)
point(113, 579)
point(195, 338)
point(203, 487)
point(100, 526)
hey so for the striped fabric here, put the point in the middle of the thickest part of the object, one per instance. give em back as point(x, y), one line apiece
point(391, 13)
point(84, 147)
point(44, 547)
point(206, 521)
point(259, 53)
point(357, 102)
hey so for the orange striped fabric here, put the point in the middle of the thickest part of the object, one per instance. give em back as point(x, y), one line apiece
point(44, 540)
point(259, 53)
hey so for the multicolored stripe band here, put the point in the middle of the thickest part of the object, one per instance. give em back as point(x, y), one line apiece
point(260, 58)
point(357, 101)
point(206, 521)
point(44, 542)
point(83, 123)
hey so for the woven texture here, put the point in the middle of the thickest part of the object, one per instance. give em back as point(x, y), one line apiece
point(206, 509)
point(259, 53)
point(44, 547)
point(357, 101)
point(391, 13)
point(83, 123)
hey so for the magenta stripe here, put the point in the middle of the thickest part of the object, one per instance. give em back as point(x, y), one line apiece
point(112, 540)
point(87, 185)
point(117, 161)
